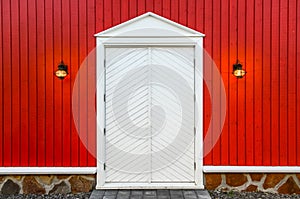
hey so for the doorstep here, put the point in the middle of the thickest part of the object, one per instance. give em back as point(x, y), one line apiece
point(150, 194)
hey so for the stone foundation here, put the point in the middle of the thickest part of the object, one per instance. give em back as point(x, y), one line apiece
point(273, 183)
point(63, 184)
point(46, 184)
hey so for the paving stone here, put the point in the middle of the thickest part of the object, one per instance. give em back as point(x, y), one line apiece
point(189, 194)
point(163, 197)
point(111, 193)
point(97, 194)
point(177, 197)
point(136, 197)
point(203, 194)
point(175, 192)
point(163, 192)
point(150, 193)
point(137, 192)
point(109, 197)
point(149, 197)
point(123, 194)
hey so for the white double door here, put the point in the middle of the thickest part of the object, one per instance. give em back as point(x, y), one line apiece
point(149, 110)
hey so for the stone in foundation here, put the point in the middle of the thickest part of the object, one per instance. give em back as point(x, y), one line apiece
point(10, 188)
point(251, 188)
point(30, 185)
point(256, 176)
point(289, 187)
point(235, 180)
point(272, 180)
point(212, 181)
point(45, 179)
point(80, 184)
point(61, 188)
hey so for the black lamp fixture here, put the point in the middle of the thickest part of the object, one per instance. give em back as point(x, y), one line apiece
point(238, 70)
point(62, 70)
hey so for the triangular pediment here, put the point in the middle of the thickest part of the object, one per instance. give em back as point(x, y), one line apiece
point(149, 25)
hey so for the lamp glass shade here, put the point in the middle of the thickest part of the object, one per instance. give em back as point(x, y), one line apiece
point(239, 73)
point(62, 71)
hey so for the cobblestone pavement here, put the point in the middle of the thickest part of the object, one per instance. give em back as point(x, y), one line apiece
point(150, 194)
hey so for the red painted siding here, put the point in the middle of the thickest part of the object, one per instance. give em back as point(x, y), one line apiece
point(36, 122)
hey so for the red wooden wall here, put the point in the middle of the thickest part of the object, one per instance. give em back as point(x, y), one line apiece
point(263, 109)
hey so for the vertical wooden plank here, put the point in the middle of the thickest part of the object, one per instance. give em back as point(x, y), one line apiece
point(41, 94)
point(207, 71)
point(191, 12)
point(232, 93)
point(216, 84)
point(149, 5)
point(292, 83)
point(50, 68)
point(275, 122)
point(32, 83)
point(249, 66)
point(283, 71)
point(74, 64)
point(258, 142)
point(183, 12)
point(116, 12)
point(167, 9)
point(83, 83)
point(125, 10)
point(225, 70)
point(157, 7)
point(132, 8)
point(298, 81)
point(199, 15)
point(266, 83)
point(175, 10)
point(15, 83)
point(24, 83)
point(91, 84)
point(241, 86)
point(107, 13)
point(7, 82)
point(57, 86)
point(66, 89)
point(99, 14)
point(1, 92)
point(141, 6)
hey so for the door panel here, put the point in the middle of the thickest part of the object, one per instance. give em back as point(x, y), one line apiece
point(149, 114)
point(127, 120)
point(172, 90)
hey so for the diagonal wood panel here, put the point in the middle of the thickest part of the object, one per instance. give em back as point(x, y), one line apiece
point(127, 121)
point(172, 75)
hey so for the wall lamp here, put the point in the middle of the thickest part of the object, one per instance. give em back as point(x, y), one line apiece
point(62, 70)
point(238, 70)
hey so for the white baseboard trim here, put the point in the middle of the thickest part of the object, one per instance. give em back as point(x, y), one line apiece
point(127, 185)
point(251, 169)
point(46, 170)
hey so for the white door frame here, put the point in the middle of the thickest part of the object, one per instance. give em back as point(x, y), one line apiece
point(110, 38)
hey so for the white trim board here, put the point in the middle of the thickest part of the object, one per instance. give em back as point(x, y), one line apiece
point(150, 186)
point(46, 170)
point(251, 169)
